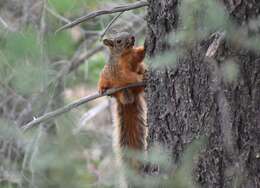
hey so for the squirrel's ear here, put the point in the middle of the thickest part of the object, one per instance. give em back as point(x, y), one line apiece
point(132, 39)
point(108, 42)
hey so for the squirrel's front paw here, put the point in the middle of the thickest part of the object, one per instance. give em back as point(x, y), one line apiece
point(102, 90)
point(140, 77)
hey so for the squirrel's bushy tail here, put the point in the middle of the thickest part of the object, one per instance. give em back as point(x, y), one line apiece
point(131, 130)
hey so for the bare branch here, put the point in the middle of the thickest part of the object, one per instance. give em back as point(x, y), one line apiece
point(75, 63)
point(55, 14)
point(89, 115)
point(4, 23)
point(110, 24)
point(76, 104)
point(91, 15)
point(65, 20)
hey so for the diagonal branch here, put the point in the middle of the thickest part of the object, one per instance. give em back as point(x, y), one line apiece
point(91, 15)
point(74, 63)
point(80, 59)
point(55, 14)
point(76, 104)
point(90, 115)
point(66, 21)
point(110, 24)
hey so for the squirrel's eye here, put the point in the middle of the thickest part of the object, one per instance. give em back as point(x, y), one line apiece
point(118, 41)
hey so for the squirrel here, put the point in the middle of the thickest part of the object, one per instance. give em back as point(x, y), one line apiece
point(125, 66)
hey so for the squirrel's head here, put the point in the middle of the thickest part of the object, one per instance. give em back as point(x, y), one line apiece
point(120, 43)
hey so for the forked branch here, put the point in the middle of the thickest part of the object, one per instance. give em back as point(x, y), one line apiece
point(91, 15)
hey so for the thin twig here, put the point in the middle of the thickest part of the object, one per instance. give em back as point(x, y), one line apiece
point(55, 14)
point(89, 115)
point(91, 15)
point(42, 25)
point(67, 108)
point(110, 24)
point(65, 20)
point(75, 63)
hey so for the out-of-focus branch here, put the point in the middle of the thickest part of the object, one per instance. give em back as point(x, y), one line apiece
point(4, 23)
point(110, 24)
point(55, 14)
point(89, 115)
point(65, 20)
point(74, 63)
point(76, 104)
point(91, 15)
point(77, 61)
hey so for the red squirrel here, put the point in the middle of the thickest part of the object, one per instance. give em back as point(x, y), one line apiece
point(125, 67)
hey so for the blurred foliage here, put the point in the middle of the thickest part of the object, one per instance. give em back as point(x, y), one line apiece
point(165, 59)
point(171, 174)
point(230, 71)
point(21, 46)
point(94, 66)
point(21, 60)
point(200, 18)
point(88, 73)
point(60, 157)
point(183, 177)
point(73, 6)
point(63, 6)
point(60, 45)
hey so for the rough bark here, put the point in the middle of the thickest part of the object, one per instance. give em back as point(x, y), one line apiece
point(193, 100)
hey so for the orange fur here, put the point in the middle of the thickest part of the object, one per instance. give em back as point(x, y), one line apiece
point(129, 69)
point(131, 124)
point(126, 67)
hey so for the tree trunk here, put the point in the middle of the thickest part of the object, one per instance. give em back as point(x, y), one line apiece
point(193, 99)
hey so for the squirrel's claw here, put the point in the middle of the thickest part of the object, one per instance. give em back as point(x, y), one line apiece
point(102, 90)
